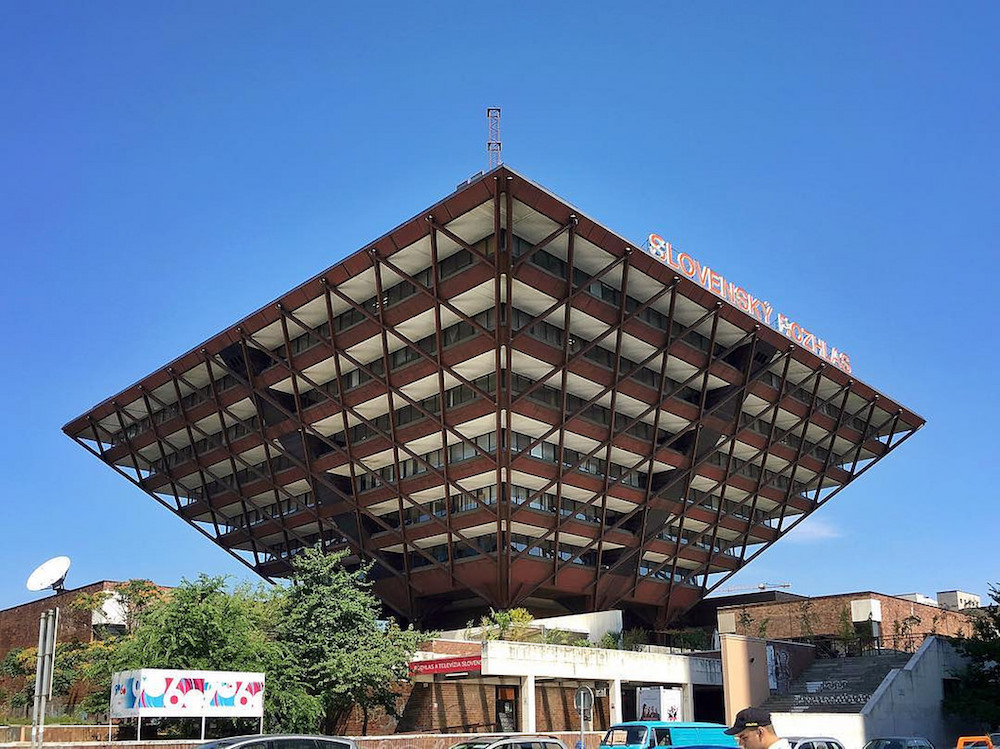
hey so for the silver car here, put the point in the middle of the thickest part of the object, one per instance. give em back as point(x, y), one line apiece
point(813, 742)
point(519, 741)
point(281, 741)
point(899, 742)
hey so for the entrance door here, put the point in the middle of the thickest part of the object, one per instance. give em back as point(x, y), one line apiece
point(507, 709)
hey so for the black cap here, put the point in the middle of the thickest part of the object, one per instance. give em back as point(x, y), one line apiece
point(751, 717)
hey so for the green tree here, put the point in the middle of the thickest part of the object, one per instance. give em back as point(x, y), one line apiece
point(635, 639)
point(512, 624)
point(845, 630)
point(610, 641)
point(744, 620)
point(762, 627)
point(202, 625)
point(806, 617)
point(977, 694)
point(134, 598)
point(332, 629)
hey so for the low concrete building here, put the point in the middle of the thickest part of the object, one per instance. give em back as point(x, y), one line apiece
point(465, 681)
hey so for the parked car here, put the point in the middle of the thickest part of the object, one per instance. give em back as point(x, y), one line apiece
point(899, 742)
point(512, 741)
point(975, 742)
point(813, 742)
point(282, 741)
point(645, 734)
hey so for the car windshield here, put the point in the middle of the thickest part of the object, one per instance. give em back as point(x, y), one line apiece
point(222, 743)
point(624, 736)
point(886, 744)
point(473, 744)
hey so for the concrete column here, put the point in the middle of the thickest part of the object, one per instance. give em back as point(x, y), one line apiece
point(615, 695)
point(528, 704)
point(687, 702)
point(744, 673)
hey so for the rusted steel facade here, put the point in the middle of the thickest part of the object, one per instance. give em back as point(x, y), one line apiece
point(501, 403)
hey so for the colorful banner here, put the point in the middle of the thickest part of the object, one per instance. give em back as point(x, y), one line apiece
point(761, 310)
point(173, 693)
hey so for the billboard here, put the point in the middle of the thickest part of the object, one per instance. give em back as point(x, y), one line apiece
point(173, 693)
point(658, 703)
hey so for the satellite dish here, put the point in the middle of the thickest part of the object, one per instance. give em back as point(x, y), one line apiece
point(50, 574)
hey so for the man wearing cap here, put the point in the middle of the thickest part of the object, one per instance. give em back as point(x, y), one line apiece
point(753, 730)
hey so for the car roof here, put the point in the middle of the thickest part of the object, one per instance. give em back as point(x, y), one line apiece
point(269, 736)
point(898, 738)
point(489, 738)
point(812, 738)
point(669, 724)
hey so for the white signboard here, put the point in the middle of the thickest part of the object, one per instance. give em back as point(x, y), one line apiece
point(172, 693)
point(658, 703)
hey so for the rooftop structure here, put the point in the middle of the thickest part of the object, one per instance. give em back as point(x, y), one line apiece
point(503, 403)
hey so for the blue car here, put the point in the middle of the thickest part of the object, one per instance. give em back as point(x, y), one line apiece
point(646, 734)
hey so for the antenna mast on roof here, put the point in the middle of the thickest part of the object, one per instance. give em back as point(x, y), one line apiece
point(493, 144)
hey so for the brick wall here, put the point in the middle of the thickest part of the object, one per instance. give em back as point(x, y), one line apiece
point(463, 705)
point(591, 740)
point(430, 741)
point(19, 624)
point(824, 614)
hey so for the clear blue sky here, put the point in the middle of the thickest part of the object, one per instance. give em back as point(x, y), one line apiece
point(167, 168)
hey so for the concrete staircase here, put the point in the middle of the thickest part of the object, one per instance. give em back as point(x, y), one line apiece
point(836, 685)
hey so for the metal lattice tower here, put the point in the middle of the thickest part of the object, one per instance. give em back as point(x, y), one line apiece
point(493, 144)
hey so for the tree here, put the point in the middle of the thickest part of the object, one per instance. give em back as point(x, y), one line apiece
point(513, 624)
point(635, 639)
point(136, 597)
point(744, 620)
point(202, 625)
point(133, 597)
point(806, 617)
point(762, 627)
point(332, 629)
point(610, 641)
point(845, 630)
point(976, 696)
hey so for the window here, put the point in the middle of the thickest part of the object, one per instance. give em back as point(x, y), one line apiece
point(662, 736)
point(328, 744)
point(294, 743)
point(624, 736)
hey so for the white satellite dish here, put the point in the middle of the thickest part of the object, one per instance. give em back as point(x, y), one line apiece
point(50, 574)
